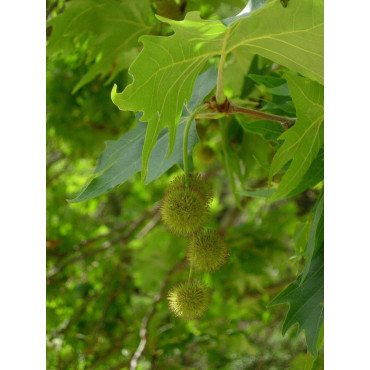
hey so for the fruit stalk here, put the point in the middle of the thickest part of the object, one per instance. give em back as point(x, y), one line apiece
point(185, 142)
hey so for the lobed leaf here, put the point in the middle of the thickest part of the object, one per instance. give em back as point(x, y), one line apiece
point(165, 71)
point(303, 141)
point(306, 302)
point(123, 158)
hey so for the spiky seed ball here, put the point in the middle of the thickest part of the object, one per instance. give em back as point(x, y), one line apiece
point(196, 183)
point(207, 251)
point(206, 154)
point(189, 299)
point(185, 209)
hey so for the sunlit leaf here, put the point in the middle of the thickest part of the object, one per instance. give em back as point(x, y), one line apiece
point(165, 71)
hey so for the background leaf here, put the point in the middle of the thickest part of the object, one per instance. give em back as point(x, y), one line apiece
point(112, 41)
point(269, 130)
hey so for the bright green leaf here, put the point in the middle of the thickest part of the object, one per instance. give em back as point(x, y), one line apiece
point(165, 70)
point(313, 176)
point(303, 141)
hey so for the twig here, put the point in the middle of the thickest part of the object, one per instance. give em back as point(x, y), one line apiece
point(286, 122)
point(228, 107)
point(145, 323)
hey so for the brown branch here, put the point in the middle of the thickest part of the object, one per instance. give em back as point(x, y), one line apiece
point(286, 122)
point(145, 323)
point(228, 107)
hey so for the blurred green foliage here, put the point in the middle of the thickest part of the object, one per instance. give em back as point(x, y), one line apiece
point(111, 262)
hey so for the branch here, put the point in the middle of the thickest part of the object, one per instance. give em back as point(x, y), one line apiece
point(145, 323)
point(228, 107)
point(286, 122)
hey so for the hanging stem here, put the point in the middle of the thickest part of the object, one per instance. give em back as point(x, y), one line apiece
point(185, 142)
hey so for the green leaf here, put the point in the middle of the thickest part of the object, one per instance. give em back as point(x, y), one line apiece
point(315, 237)
point(119, 161)
point(165, 70)
point(122, 158)
point(269, 130)
point(111, 28)
point(313, 176)
point(159, 161)
point(280, 105)
point(303, 141)
point(268, 81)
point(272, 85)
point(306, 302)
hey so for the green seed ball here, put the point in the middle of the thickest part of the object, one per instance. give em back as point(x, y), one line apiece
point(189, 299)
point(207, 251)
point(196, 183)
point(185, 209)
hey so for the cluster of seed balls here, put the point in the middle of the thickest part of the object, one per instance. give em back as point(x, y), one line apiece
point(185, 211)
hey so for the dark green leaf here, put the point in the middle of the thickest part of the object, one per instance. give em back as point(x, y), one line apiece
point(315, 237)
point(269, 130)
point(306, 302)
point(272, 85)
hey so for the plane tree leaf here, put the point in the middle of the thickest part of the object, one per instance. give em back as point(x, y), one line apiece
point(313, 176)
point(269, 130)
point(111, 29)
point(303, 141)
point(122, 158)
point(165, 71)
point(315, 237)
point(306, 302)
